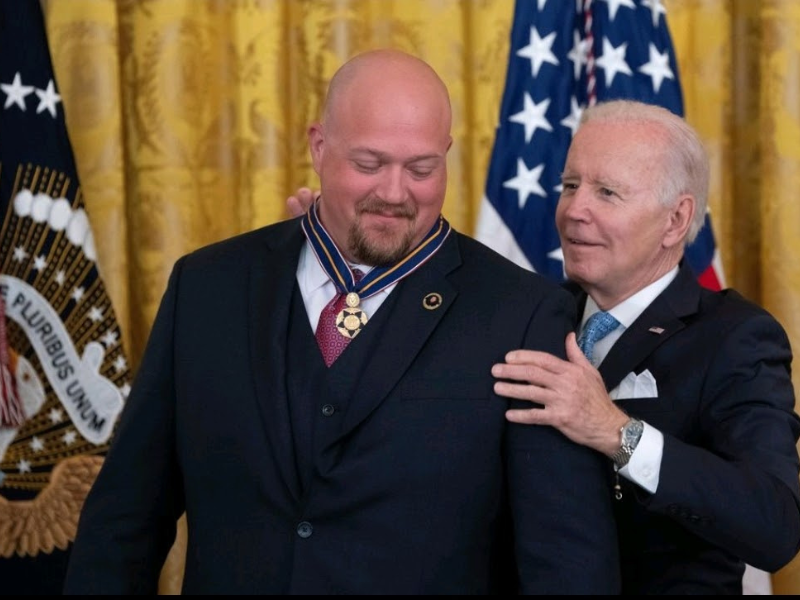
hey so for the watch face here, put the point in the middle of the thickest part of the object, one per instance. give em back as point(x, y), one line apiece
point(633, 431)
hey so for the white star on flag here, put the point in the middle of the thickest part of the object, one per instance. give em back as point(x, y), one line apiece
point(48, 99)
point(16, 92)
point(613, 61)
point(657, 68)
point(526, 182)
point(539, 51)
point(532, 116)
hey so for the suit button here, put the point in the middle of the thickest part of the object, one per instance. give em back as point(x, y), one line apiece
point(328, 410)
point(304, 529)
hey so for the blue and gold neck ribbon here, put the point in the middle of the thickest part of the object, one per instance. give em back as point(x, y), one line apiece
point(379, 278)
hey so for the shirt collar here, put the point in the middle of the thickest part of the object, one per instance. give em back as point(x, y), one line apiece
point(627, 311)
point(311, 272)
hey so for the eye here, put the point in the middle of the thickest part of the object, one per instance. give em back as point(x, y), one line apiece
point(420, 173)
point(569, 186)
point(607, 193)
point(367, 167)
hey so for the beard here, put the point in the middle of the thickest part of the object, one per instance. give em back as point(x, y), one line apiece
point(381, 248)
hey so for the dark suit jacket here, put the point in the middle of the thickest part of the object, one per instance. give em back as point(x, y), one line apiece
point(414, 474)
point(728, 488)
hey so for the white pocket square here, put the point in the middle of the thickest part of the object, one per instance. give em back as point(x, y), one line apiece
point(642, 385)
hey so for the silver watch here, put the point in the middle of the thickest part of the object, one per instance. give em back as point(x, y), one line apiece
point(629, 434)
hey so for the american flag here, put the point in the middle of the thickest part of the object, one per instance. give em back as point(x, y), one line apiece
point(564, 56)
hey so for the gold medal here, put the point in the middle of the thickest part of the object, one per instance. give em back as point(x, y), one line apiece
point(350, 321)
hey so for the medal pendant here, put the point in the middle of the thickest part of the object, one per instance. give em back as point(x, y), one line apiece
point(352, 300)
point(350, 321)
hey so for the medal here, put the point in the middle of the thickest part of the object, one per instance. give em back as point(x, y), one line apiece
point(351, 320)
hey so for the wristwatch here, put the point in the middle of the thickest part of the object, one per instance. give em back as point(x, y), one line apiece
point(629, 434)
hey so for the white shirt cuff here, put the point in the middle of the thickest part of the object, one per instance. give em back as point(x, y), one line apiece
point(644, 466)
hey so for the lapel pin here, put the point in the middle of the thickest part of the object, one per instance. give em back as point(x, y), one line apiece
point(658, 330)
point(432, 301)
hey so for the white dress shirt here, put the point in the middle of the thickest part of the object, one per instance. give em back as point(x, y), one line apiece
point(644, 466)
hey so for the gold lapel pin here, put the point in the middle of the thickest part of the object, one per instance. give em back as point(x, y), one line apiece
point(432, 301)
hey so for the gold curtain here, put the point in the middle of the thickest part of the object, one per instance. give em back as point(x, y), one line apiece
point(188, 122)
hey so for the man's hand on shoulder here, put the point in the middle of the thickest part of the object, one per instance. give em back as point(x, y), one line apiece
point(569, 395)
point(299, 203)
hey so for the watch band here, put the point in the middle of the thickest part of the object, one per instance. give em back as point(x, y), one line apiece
point(630, 434)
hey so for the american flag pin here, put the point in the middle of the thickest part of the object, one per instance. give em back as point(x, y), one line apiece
point(658, 330)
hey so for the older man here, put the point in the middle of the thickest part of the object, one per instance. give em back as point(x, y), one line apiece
point(686, 390)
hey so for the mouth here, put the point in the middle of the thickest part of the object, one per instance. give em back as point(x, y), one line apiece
point(579, 242)
point(384, 218)
point(389, 213)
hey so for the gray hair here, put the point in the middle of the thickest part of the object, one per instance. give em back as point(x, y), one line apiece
point(686, 167)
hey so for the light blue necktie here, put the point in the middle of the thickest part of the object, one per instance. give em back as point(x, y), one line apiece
point(599, 325)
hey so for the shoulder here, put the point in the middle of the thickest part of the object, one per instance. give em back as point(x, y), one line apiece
point(485, 262)
point(740, 323)
point(731, 307)
point(246, 244)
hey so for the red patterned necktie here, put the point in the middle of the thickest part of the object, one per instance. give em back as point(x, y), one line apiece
point(331, 342)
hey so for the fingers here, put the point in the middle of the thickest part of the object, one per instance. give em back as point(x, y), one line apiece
point(523, 391)
point(300, 202)
point(531, 416)
point(574, 353)
point(295, 206)
point(534, 358)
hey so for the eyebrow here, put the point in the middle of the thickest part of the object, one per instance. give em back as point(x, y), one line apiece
point(385, 156)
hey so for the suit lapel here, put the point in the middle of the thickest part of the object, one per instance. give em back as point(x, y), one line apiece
point(403, 333)
point(271, 283)
point(661, 320)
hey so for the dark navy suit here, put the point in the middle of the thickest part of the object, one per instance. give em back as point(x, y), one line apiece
point(728, 490)
point(392, 472)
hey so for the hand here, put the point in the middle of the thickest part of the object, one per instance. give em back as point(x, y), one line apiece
point(301, 201)
point(571, 393)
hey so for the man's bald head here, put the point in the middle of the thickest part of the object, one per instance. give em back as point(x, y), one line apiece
point(382, 76)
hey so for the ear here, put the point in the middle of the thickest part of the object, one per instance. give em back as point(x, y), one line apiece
point(316, 144)
point(680, 218)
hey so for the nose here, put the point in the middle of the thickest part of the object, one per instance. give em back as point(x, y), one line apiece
point(392, 187)
point(573, 203)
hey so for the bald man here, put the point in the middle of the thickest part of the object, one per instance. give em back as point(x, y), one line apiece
point(317, 395)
